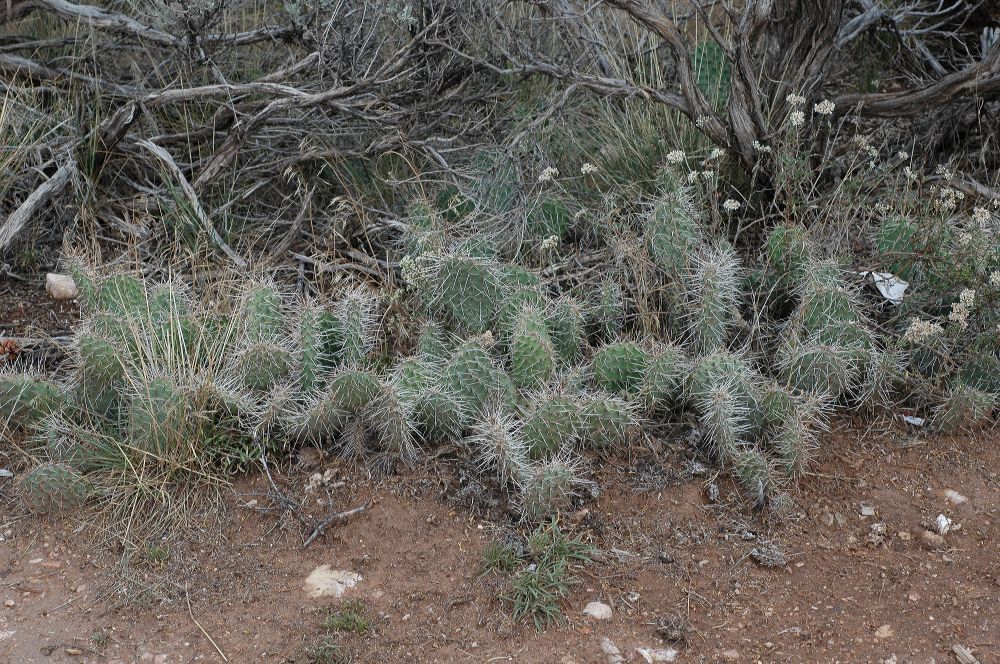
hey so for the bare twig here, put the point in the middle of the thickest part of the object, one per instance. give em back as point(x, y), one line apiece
point(336, 518)
point(38, 198)
point(164, 157)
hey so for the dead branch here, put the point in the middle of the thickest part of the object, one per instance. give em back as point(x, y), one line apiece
point(38, 198)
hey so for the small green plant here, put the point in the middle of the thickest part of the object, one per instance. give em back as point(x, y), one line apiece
point(499, 558)
point(537, 591)
point(157, 554)
point(349, 617)
point(326, 650)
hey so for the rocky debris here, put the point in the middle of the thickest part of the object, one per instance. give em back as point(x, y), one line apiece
point(866, 510)
point(611, 651)
point(876, 533)
point(598, 611)
point(326, 582)
point(673, 628)
point(61, 286)
point(884, 632)
point(651, 655)
point(943, 524)
point(954, 497)
point(931, 540)
point(730, 655)
point(768, 555)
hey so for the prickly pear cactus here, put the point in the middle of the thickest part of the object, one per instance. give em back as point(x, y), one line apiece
point(664, 378)
point(606, 422)
point(26, 399)
point(566, 327)
point(551, 424)
point(548, 487)
point(532, 356)
point(712, 293)
point(620, 367)
point(50, 487)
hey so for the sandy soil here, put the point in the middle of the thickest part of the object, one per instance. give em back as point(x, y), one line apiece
point(852, 588)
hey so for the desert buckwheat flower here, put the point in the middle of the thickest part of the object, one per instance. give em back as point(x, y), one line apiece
point(731, 205)
point(981, 216)
point(995, 279)
point(960, 310)
point(717, 153)
point(797, 118)
point(588, 168)
point(550, 243)
point(920, 330)
point(693, 176)
point(825, 107)
point(902, 156)
point(795, 100)
point(549, 174)
point(760, 147)
point(675, 156)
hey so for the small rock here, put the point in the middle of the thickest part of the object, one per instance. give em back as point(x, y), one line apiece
point(867, 510)
point(326, 582)
point(827, 519)
point(884, 632)
point(5, 473)
point(954, 497)
point(839, 519)
point(943, 524)
point(713, 492)
point(9, 604)
point(598, 611)
point(61, 286)
point(730, 655)
point(768, 555)
point(913, 597)
point(650, 655)
point(74, 652)
point(903, 535)
point(931, 540)
point(611, 651)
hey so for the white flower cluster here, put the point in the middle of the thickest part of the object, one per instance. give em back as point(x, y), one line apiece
point(825, 107)
point(693, 176)
point(795, 100)
point(995, 279)
point(549, 174)
point(717, 153)
point(920, 330)
point(902, 156)
point(588, 168)
point(982, 217)
point(961, 310)
point(731, 205)
point(675, 156)
point(948, 199)
point(797, 118)
point(760, 147)
point(550, 243)
point(866, 146)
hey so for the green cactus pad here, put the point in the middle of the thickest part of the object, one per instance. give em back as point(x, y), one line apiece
point(620, 367)
point(26, 399)
point(532, 356)
point(51, 487)
point(664, 378)
point(551, 424)
point(606, 422)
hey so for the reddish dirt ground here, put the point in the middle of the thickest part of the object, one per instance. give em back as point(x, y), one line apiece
point(846, 593)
